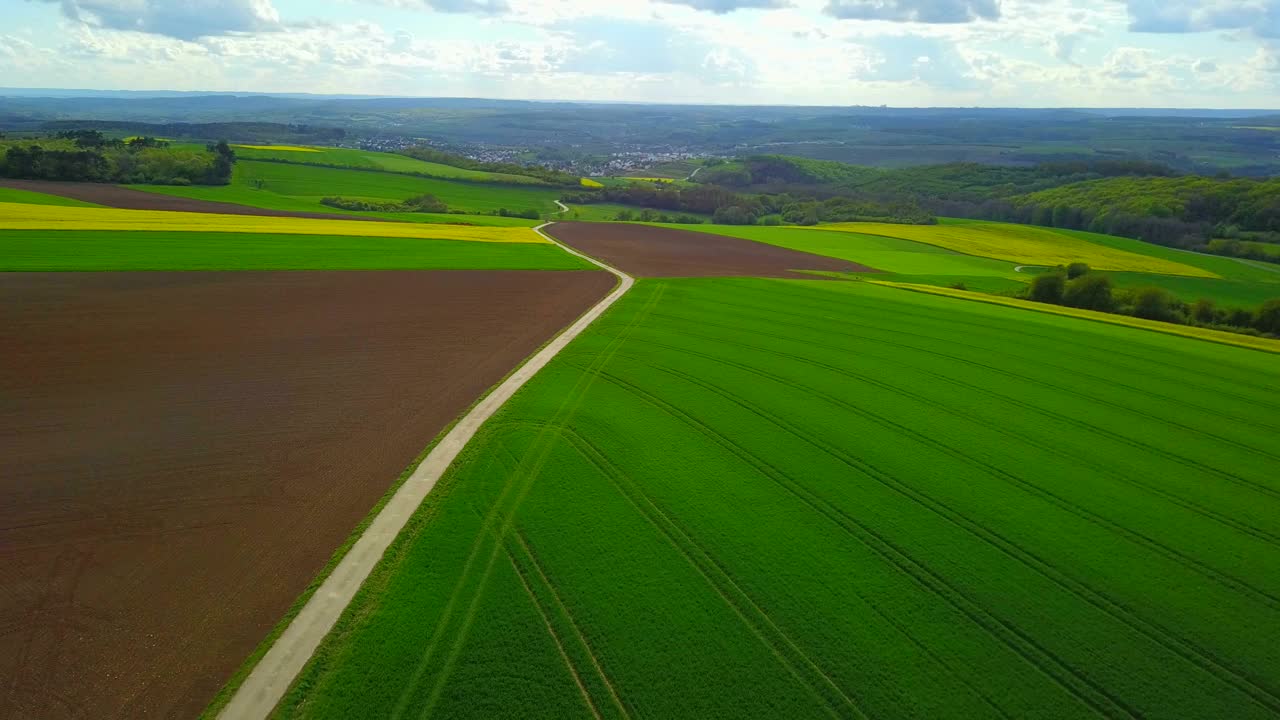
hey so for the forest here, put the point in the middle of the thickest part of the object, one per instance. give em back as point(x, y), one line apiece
point(1136, 199)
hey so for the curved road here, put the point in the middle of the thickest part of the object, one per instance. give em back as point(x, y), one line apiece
point(273, 674)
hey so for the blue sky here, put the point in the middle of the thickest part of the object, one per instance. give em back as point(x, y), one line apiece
point(1018, 53)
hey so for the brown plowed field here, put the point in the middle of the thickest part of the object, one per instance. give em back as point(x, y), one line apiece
point(648, 251)
point(180, 454)
point(117, 196)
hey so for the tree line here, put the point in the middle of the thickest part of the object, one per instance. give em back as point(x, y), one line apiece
point(266, 132)
point(89, 156)
point(729, 208)
point(1076, 286)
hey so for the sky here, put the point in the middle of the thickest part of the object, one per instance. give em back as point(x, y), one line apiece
point(903, 53)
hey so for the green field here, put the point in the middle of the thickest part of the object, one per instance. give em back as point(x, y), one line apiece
point(1241, 284)
point(1227, 268)
point(772, 498)
point(1226, 293)
point(11, 195)
point(370, 160)
point(301, 187)
point(68, 250)
point(899, 260)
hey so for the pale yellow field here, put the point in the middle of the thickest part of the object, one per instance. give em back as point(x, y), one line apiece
point(290, 148)
point(1022, 244)
point(650, 179)
point(1199, 333)
point(588, 182)
point(16, 216)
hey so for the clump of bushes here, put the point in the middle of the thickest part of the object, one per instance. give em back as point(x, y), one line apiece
point(426, 203)
point(527, 213)
point(648, 215)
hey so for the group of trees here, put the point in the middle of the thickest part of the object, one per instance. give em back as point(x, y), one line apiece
point(647, 215)
point(426, 203)
point(89, 156)
point(1075, 286)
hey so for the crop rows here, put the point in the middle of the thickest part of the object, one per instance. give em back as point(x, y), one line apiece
point(799, 499)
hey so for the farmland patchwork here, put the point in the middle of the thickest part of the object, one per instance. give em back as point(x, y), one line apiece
point(744, 498)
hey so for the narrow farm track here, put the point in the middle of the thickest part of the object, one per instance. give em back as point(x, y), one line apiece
point(271, 677)
point(741, 498)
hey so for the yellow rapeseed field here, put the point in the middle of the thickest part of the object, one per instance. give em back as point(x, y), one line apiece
point(17, 216)
point(1023, 244)
point(588, 182)
point(1218, 336)
point(291, 148)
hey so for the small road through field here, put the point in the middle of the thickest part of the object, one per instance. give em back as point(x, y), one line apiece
point(271, 677)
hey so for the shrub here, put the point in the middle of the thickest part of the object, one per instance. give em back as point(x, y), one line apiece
point(1239, 317)
point(1047, 288)
point(1090, 292)
point(426, 203)
point(1155, 303)
point(1267, 319)
point(1203, 311)
point(1076, 269)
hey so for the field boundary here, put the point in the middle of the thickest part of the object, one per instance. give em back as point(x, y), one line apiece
point(279, 666)
point(827, 227)
point(1195, 333)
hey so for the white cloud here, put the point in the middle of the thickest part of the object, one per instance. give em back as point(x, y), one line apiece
point(475, 7)
point(722, 7)
point(1262, 17)
point(183, 19)
point(923, 11)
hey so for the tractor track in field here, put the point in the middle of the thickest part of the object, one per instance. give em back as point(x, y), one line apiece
point(1139, 444)
point(1086, 514)
point(272, 676)
point(1093, 379)
point(763, 625)
point(1191, 506)
point(1097, 357)
point(1016, 640)
point(551, 630)
point(579, 635)
point(524, 475)
point(1188, 650)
